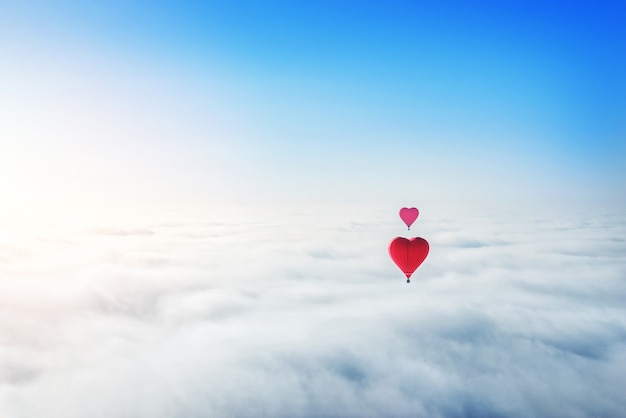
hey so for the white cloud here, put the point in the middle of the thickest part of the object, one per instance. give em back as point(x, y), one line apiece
point(301, 313)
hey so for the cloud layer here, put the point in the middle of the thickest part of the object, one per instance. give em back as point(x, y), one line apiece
point(299, 312)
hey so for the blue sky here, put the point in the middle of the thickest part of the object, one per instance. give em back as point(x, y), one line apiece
point(326, 100)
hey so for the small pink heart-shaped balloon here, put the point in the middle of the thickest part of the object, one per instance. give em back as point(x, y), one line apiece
point(409, 215)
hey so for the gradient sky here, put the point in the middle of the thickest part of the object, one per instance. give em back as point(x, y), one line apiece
point(317, 101)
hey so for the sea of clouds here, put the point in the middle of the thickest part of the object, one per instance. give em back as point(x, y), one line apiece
point(299, 312)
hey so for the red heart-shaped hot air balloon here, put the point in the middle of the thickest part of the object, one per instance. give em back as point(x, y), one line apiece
point(409, 215)
point(408, 254)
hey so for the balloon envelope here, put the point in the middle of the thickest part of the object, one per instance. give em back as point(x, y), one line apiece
point(408, 254)
point(409, 215)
